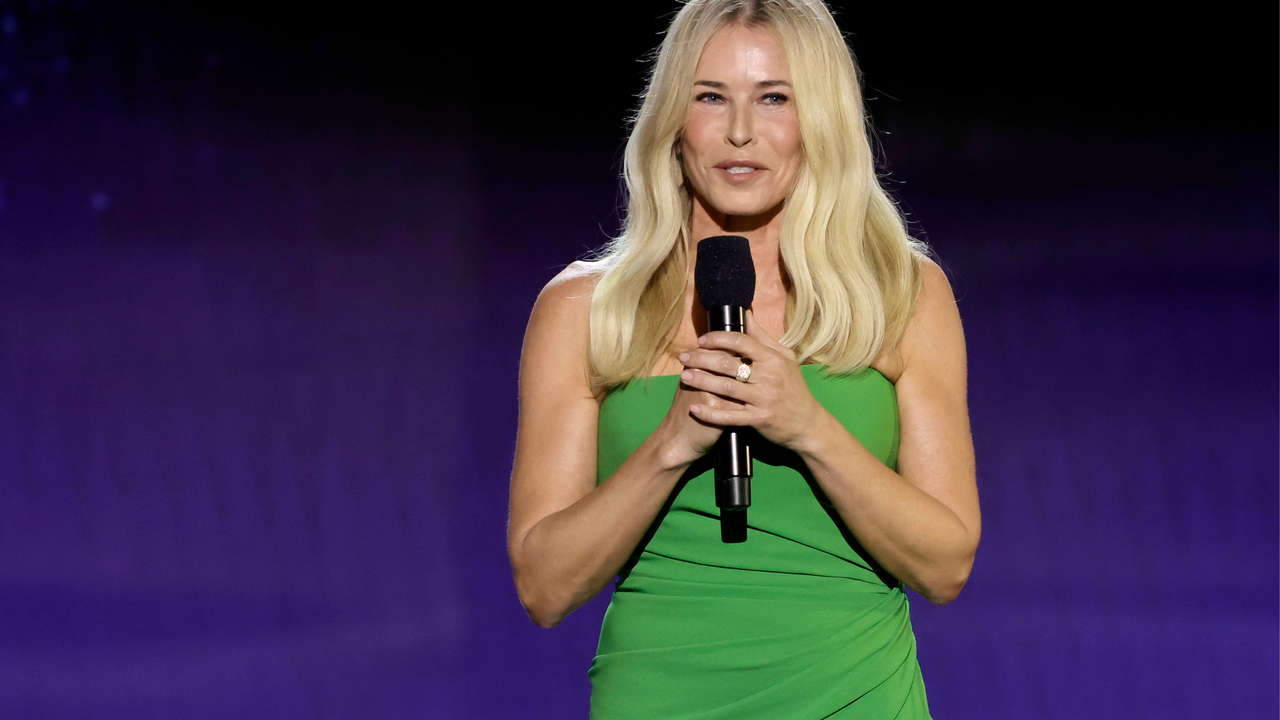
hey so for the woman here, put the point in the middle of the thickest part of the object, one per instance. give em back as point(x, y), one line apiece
point(752, 125)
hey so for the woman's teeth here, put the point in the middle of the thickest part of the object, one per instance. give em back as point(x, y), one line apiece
point(739, 170)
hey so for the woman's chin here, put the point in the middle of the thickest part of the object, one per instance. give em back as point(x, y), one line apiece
point(744, 207)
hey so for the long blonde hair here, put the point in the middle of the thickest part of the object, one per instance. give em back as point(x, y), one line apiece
point(845, 248)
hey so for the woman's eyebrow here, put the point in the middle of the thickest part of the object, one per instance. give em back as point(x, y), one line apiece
point(762, 84)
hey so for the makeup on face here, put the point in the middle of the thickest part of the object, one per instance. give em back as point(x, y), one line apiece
point(741, 142)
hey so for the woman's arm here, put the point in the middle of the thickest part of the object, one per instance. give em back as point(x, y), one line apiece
point(922, 523)
point(566, 536)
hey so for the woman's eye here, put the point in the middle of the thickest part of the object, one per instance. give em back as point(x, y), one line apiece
point(709, 97)
point(775, 99)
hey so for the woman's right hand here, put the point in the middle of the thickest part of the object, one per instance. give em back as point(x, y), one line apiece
point(684, 438)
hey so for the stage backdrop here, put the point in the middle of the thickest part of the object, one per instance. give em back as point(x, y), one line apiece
point(258, 353)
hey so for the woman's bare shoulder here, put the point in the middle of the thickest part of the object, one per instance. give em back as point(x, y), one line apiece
point(559, 332)
point(570, 288)
point(564, 305)
point(934, 337)
point(935, 313)
point(935, 290)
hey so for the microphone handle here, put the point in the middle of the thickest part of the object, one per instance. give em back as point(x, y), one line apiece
point(733, 461)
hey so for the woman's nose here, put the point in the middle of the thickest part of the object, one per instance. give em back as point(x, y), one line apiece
point(741, 131)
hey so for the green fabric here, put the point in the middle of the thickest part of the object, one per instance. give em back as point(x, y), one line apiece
point(798, 622)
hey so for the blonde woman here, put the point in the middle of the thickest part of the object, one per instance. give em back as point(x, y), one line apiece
point(752, 125)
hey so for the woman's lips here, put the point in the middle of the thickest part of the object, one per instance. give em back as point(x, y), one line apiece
point(740, 173)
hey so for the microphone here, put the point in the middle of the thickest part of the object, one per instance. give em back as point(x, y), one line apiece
point(725, 278)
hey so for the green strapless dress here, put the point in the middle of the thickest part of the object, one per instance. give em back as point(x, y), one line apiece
point(798, 622)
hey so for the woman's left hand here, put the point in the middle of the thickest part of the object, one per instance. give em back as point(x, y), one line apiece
point(775, 399)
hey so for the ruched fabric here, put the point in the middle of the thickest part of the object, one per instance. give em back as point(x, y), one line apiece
point(798, 622)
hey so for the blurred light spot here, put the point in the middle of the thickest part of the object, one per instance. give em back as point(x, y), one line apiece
point(213, 60)
point(9, 24)
point(20, 97)
point(99, 201)
point(61, 65)
point(4, 72)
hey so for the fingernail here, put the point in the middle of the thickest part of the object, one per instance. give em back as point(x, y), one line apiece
point(684, 357)
point(702, 340)
point(695, 408)
point(686, 375)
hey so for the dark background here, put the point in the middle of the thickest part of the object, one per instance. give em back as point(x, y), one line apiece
point(264, 275)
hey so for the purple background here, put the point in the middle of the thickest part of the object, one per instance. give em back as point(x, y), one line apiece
point(262, 290)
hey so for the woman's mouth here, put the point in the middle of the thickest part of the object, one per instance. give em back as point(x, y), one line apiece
point(739, 172)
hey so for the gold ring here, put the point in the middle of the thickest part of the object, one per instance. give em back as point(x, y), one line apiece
point(744, 372)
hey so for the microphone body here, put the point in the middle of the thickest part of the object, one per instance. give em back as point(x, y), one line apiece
point(725, 278)
point(733, 452)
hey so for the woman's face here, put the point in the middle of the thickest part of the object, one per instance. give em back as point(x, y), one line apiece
point(741, 142)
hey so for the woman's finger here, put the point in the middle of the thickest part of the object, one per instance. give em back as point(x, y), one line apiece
point(720, 403)
point(736, 343)
point(715, 361)
point(719, 384)
point(723, 418)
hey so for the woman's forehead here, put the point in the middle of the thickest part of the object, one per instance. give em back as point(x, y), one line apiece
point(742, 53)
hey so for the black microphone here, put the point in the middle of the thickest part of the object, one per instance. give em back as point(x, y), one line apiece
point(725, 278)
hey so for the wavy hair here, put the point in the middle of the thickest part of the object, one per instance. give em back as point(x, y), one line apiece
point(852, 267)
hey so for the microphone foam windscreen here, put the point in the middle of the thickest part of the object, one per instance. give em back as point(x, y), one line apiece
point(724, 273)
